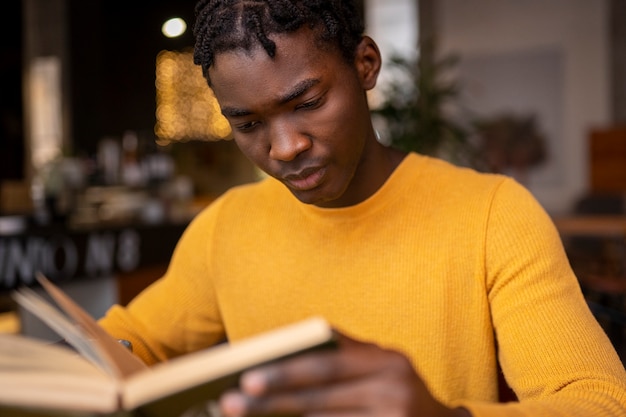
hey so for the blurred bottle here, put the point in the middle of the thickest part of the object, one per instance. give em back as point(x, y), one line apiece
point(108, 160)
point(55, 187)
point(132, 174)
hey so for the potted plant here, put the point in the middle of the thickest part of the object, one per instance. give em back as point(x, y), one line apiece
point(416, 113)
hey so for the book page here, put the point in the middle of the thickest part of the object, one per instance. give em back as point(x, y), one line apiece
point(83, 333)
point(40, 308)
point(117, 356)
point(43, 376)
point(220, 364)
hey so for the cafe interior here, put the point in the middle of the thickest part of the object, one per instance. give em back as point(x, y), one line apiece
point(111, 141)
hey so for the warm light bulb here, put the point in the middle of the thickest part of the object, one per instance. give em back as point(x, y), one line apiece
point(174, 27)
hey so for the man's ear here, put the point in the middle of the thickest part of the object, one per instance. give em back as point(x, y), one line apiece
point(367, 62)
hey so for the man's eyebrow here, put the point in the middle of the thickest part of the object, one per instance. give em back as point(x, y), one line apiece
point(299, 89)
point(235, 112)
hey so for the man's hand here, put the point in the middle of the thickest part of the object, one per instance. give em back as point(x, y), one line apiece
point(358, 379)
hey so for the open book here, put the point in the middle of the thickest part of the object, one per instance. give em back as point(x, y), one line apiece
point(102, 377)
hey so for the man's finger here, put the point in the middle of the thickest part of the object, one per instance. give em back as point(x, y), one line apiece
point(352, 360)
point(340, 399)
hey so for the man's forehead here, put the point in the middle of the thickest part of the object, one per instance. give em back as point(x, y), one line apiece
point(286, 43)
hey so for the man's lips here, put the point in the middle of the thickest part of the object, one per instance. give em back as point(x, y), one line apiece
point(306, 179)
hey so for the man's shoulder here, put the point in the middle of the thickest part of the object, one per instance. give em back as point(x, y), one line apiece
point(245, 197)
point(445, 176)
point(262, 189)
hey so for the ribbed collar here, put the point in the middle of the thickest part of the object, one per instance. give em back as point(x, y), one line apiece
point(392, 189)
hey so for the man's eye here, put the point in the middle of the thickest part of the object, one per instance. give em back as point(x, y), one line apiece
point(246, 127)
point(312, 104)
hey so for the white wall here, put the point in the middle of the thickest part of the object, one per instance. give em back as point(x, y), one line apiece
point(393, 25)
point(572, 38)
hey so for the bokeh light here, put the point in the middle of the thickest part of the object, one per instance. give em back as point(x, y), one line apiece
point(186, 107)
point(174, 27)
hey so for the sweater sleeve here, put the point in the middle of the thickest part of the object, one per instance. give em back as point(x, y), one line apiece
point(178, 313)
point(552, 351)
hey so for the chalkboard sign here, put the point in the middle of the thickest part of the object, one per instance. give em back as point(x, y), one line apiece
point(65, 255)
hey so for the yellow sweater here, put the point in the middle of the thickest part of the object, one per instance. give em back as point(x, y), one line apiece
point(442, 263)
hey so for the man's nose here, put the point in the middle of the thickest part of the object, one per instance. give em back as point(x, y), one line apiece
point(286, 142)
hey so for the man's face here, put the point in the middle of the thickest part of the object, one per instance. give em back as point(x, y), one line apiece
point(301, 116)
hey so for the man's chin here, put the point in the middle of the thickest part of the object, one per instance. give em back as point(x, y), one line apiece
point(307, 197)
point(316, 198)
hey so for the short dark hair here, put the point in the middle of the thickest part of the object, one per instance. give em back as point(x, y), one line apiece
point(224, 25)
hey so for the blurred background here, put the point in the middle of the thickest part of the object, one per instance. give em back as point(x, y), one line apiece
point(110, 140)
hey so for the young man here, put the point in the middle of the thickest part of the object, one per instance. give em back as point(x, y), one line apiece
point(433, 274)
